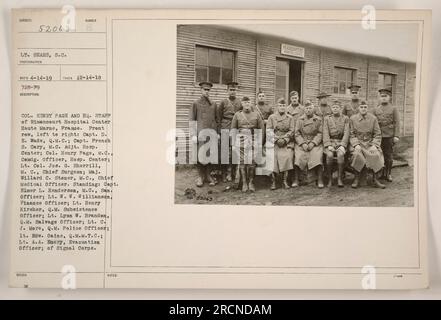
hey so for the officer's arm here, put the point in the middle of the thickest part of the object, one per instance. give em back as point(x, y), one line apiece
point(319, 136)
point(377, 134)
point(396, 116)
point(298, 134)
point(345, 139)
point(326, 137)
point(353, 134)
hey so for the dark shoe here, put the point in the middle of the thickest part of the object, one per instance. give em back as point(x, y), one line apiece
point(295, 182)
point(377, 184)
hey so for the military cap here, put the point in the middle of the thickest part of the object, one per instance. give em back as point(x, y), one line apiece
point(363, 103)
point(232, 84)
point(385, 90)
point(308, 103)
point(323, 95)
point(281, 101)
point(205, 84)
point(293, 93)
point(245, 98)
point(335, 102)
point(354, 87)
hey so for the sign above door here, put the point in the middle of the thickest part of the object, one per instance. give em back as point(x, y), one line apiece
point(291, 50)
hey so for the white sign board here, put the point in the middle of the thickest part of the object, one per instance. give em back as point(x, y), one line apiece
point(291, 50)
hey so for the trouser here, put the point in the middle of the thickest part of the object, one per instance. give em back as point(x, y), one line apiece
point(387, 146)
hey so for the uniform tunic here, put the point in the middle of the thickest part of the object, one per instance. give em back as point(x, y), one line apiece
point(283, 126)
point(203, 111)
point(226, 110)
point(336, 131)
point(245, 123)
point(295, 111)
point(308, 129)
point(366, 132)
point(389, 121)
point(264, 110)
point(351, 108)
point(323, 111)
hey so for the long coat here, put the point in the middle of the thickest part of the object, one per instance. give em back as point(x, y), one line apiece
point(308, 129)
point(246, 123)
point(203, 112)
point(264, 110)
point(283, 126)
point(322, 111)
point(295, 111)
point(365, 132)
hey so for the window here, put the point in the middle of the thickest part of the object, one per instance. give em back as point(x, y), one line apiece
point(343, 78)
point(386, 81)
point(214, 65)
point(282, 79)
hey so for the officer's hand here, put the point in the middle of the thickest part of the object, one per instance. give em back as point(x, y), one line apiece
point(373, 149)
point(305, 147)
point(281, 143)
point(342, 149)
point(310, 145)
point(331, 148)
point(396, 140)
point(357, 147)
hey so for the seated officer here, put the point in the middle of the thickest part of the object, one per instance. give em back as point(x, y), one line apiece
point(365, 140)
point(309, 148)
point(335, 141)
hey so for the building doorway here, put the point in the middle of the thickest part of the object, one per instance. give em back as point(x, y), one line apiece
point(288, 78)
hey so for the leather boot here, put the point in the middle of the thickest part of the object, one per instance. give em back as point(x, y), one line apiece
point(320, 177)
point(376, 182)
point(243, 173)
point(389, 171)
point(340, 175)
point(211, 181)
point(273, 181)
point(295, 182)
point(329, 174)
point(201, 177)
point(251, 174)
point(356, 180)
point(285, 180)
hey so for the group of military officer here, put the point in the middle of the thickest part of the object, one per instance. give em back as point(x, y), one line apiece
point(304, 137)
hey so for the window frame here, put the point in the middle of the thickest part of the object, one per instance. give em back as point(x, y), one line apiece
point(234, 64)
point(337, 82)
point(393, 82)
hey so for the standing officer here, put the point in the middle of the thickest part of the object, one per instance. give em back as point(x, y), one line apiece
point(352, 108)
point(245, 122)
point(203, 112)
point(295, 109)
point(225, 113)
point(335, 141)
point(309, 147)
point(323, 109)
point(365, 139)
point(262, 107)
point(389, 121)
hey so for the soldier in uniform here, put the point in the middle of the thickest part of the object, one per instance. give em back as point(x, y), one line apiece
point(309, 147)
point(203, 112)
point(389, 121)
point(262, 107)
point(352, 108)
point(225, 112)
point(245, 122)
point(335, 141)
point(295, 109)
point(282, 125)
point(365, 140)
point(323, 109)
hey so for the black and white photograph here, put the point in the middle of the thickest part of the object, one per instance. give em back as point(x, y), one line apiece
point(299, 114)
